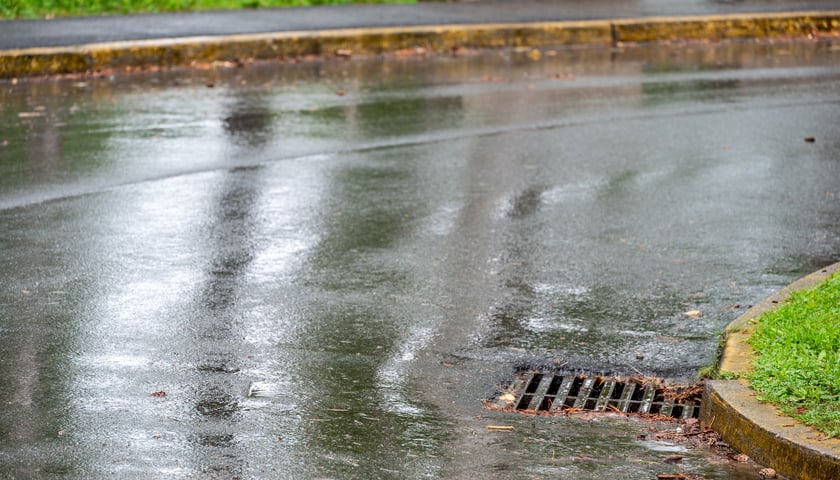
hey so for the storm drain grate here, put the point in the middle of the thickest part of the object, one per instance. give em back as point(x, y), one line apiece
point(555, 393)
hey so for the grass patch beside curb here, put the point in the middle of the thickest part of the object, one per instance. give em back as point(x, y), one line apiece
point(797, 367)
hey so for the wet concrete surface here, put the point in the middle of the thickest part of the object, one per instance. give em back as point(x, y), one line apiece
point(317, 270)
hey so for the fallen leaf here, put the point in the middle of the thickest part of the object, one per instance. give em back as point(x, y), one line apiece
point(344, 53)
point(159, 394)
point(500, 428)
point(507, 398)
point(810, 139)
point(534, 54)
point(767, 473)
point(673, 459)
point(693, 313)
point(740, 458)
point(225, 64)
point(410, 52)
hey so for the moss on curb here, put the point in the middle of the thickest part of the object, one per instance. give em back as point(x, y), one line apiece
point(726, 26)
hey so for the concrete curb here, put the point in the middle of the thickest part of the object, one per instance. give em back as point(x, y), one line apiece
point(168, 52)
point(759, 429)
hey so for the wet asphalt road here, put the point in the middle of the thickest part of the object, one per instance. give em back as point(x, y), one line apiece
point(318, 270)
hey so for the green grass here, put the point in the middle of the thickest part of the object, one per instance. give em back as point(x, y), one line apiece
point(798, 363)
point(61, 8)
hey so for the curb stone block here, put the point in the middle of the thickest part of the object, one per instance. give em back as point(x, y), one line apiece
point(168, 52)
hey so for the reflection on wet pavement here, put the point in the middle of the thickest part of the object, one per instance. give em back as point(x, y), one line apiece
point(267, 279)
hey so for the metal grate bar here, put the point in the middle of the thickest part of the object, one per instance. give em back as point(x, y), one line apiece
point(563, 393)
point(552, 393)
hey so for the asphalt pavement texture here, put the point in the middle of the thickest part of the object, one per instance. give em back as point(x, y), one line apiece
point(17, 34)
point(243, 272)
point(268, 279)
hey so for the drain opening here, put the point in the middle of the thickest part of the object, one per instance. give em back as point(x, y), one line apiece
point(549, 393)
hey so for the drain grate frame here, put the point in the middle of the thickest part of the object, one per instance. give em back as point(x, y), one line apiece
point(548, 393)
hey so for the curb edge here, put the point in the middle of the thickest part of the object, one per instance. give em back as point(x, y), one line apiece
point(166, 52)
point(759, 429)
